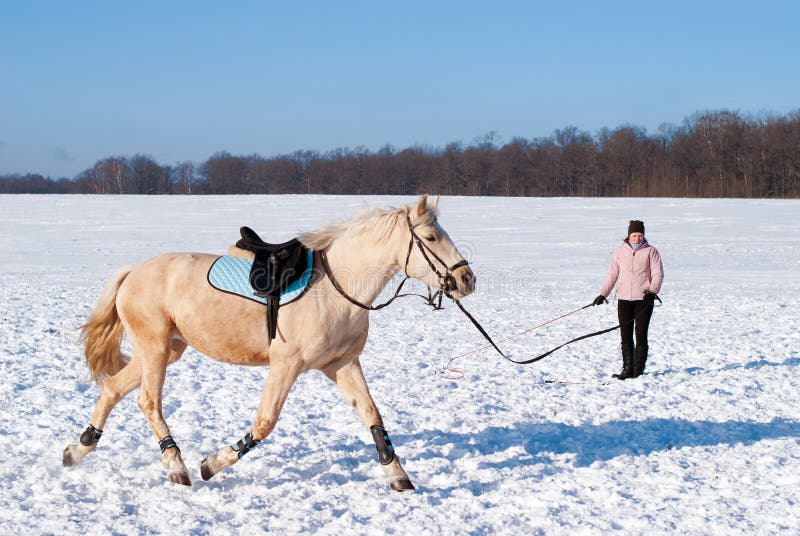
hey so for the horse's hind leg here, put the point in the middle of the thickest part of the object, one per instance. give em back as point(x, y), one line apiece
point(276, 388)
point(114, 389)
point(155, 358)
point(350, 379)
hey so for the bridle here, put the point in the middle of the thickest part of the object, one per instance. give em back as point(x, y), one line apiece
point(447, 283)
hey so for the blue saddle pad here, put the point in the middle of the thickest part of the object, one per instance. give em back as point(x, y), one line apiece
point(232, 275)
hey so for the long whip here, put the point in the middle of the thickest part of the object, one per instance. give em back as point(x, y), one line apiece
point(449, 373)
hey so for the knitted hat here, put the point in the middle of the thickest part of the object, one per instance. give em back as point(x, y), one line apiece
point(635, 226)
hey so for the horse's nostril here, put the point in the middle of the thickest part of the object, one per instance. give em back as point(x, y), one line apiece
point(467, 279)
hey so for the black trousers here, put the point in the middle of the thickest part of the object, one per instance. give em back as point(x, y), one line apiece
point(639, 310)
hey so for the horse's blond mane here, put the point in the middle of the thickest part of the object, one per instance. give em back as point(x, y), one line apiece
point(377, 221)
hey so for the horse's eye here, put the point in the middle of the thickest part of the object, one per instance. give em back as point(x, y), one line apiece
point(430, 238)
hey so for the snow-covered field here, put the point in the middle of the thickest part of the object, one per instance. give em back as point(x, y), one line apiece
point(707, 442)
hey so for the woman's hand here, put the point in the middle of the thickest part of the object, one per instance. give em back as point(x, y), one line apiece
point(600, 300)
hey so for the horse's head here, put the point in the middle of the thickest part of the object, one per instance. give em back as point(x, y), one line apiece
point(434, 259)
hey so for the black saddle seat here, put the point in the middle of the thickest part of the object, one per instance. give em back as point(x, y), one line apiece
point(276, 266)
point(252, 242)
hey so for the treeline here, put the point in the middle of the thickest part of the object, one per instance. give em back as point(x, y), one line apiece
point(712, 154)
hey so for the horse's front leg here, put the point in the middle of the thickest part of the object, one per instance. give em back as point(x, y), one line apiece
point(350, 379)
point(276, 388)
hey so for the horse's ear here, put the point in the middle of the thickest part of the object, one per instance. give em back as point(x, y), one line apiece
point(422, 205)
point(435, 203)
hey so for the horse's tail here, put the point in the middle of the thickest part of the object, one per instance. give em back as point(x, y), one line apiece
point(102, 332)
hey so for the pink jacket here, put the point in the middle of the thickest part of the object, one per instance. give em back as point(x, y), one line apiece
point(633, 272)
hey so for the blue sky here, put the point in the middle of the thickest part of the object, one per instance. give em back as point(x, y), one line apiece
point(80, 81)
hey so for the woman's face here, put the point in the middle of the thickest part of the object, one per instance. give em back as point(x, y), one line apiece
point(636, 238)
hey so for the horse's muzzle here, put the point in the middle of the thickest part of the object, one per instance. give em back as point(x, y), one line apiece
point(464, 282)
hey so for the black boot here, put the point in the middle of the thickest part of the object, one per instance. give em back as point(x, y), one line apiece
point(640, 360)
point(627, 363)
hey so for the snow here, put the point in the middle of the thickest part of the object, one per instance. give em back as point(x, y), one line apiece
point(706, 442)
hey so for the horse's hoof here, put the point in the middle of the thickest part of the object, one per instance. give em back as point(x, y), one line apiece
point(205, 470)
point(180, 478)
point(403, 484)
point(68, 460)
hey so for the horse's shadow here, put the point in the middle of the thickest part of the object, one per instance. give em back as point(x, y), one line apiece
point(541, 443)
point(590, 443)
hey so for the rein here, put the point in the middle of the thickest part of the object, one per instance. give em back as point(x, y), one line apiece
point(434, 299)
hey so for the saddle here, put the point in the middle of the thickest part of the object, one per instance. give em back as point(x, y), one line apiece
point(276, 266)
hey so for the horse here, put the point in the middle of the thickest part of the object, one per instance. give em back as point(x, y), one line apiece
point(166, 304)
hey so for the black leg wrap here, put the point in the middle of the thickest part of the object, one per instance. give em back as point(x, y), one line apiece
point(90, 436)
point(167, 443)
point(383, 444)
point(244, 445)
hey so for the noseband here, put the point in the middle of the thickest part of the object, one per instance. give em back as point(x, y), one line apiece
point(447, 283)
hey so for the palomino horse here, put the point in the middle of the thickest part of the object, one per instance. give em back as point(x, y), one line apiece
point(166, 304)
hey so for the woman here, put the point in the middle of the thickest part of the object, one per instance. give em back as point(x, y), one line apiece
point(637, 272)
